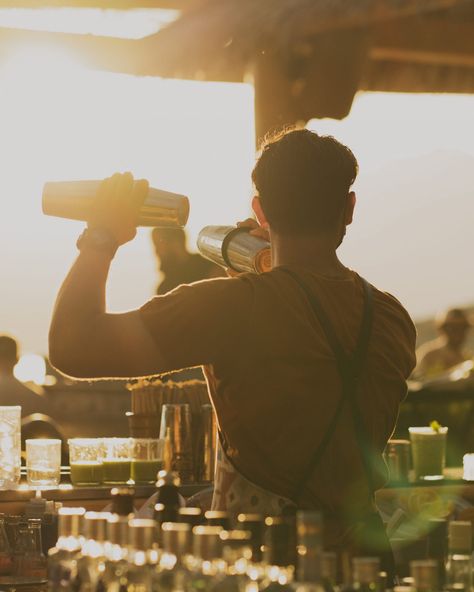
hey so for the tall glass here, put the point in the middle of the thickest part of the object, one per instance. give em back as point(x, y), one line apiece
point(43, 462)
point(147, 459)
point(428, 448)
point(85, 460)
point(10, 446)
point(117, 460)
point(175, 429)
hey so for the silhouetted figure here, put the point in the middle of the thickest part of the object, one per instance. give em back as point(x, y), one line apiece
point(12, 391)
point(448, 350)
point(177, 264)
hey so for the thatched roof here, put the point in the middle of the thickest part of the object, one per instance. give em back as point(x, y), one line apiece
point(309, 56)
point(216, 39)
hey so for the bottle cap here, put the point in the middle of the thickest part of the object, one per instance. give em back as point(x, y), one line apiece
point(69, 521)
point(95, 524)
point(460, 536)
point(218, 518)
point(207, 544)
point(118, 530)
point(276, 538)
point(192, 516)
point(425, 574)
point(142, 533)
point(176, 538)
point(365, 569)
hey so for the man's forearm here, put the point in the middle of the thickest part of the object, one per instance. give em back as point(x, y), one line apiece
point(80, 303)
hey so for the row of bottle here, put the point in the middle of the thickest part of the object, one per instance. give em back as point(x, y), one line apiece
point(185, 549)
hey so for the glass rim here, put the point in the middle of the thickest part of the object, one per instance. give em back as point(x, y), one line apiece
point(44, 440)
point(426, 430)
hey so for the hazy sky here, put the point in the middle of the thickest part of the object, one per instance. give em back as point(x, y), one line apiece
point(61, 122)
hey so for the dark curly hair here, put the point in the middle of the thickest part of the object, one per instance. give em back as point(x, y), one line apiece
point(302, 180)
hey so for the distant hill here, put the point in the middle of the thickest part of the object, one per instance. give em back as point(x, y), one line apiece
point(413, 232)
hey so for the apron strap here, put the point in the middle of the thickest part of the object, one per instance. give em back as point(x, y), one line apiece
point(350, 368)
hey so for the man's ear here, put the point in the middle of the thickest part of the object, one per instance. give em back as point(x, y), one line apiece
point(257, 208)
point(350, 205)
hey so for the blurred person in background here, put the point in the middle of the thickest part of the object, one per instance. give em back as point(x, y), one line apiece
point(176, 263)
point(449, 349)
point(12, 391)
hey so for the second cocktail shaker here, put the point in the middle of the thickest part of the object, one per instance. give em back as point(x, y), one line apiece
point(235, 248)
point(73, 200)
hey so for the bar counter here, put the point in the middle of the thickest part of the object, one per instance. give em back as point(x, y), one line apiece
point(412, 498)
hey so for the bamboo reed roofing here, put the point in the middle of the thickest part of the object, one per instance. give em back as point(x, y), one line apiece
point(316, 53)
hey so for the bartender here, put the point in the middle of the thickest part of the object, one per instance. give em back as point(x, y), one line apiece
point(306, 364)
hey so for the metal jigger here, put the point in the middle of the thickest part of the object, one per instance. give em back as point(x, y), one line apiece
point(74, 199)
point(235, 248)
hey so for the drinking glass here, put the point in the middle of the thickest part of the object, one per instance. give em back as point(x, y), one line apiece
point(428, 447)
point(85, 459)
point(117, 460)
point(147, 459)
point(10, 446)
point(175, 429)
point(43, 462)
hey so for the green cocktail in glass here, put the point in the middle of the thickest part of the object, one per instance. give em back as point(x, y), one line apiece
point(428, 448)
point(116, 471)
point(145, 471)
point(86, 472)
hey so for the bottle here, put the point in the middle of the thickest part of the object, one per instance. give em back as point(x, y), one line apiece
point(329, 571)
point(122, 501)
point(458, 566)
point(116, 554)
point(277, 555)
point(235, 248)
point(62, 558)
point(91, 563)
point(172, 572)
point(31, 561)
point(309, 530)
point(168, 500)
point(237, 555)
point(425, 575)
point(365, 574)
point(437, 546)
point(206, 565)
point(253, 523)
point(6, 563)
point(218, 518)
point(143, 556)
point(191, 516)
point(74, 199)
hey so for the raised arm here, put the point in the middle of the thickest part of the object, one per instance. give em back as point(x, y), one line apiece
point(84, 340)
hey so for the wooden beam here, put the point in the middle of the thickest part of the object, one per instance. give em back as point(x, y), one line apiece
point(430, 41)
point(382, 12)
point(105, 4)
point(394, 54)
point(128, 56)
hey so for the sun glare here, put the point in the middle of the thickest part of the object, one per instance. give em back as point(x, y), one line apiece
point(131, 24)
point(31, 368)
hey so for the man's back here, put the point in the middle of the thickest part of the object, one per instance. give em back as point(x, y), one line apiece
point(14, 392)
point(273, 376)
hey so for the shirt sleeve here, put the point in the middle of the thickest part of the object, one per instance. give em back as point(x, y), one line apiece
point(199, 323)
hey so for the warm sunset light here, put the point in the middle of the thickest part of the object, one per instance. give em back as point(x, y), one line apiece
point(263, 356)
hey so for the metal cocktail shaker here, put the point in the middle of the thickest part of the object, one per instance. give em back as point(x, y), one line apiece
point(235, 248)
point(73, 200)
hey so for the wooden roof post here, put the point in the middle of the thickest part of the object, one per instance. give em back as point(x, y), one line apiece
point(316, 78)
